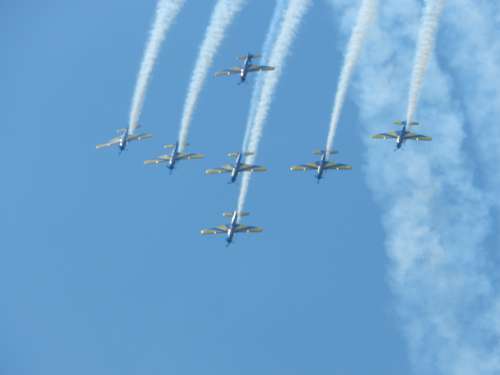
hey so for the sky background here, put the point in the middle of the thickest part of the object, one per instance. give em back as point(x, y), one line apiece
point(102, 268)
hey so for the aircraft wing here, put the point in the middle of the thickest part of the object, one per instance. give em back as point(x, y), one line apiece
point(338, 166)
point(190, 156)
point(265, 68)
point(390, 135)
point(228, 72)
point(139, 137)
point(256, 68)
point(251, 168)
point(417, 137)
point(248, 229)
point(221, 229)
point(112, 142)
point(159, 160)
point(304, 167)
point(224, 169)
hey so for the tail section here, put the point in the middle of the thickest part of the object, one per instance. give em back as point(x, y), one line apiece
point(321, 152)
point(231, 213)
point(403, 123)
point(251, 56)
point(235, 154)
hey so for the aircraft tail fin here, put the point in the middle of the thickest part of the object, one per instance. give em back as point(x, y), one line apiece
point(231, 213)
point(235, 154)
point(402, 123)
point(250, 55)
point(321, 152)
point(172, 145)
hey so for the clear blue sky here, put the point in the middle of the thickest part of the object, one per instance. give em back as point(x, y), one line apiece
point(102, 268)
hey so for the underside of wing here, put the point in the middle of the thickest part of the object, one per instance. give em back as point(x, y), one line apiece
point(338, 166)
point(266, 68)
point(102, 145)
point(390, 135)
point(227, 72)
point(139, 137)
point(157, 161)
point(304, 167)
point(251, 168)
point(183, 156)
point(253, 68)
point(111, 142)
point(222, 229)
point(248, 229)
point(417, 137)
point(217, 171)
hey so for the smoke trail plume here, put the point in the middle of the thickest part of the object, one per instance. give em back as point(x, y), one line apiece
point(291, 21)
point(222, 16)
point(364, 18)
point(166, 12)
point(266, 50)
point(473, 27)
point(425, 45)
point(435, 217)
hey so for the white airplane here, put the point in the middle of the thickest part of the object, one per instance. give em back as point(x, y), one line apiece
point(124, 138)
point(174, 157)
point(322, 165)
point(237, 167)
point(247, 67)
point(402, 135)
point(233, 227)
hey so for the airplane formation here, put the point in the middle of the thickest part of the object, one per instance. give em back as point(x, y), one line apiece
point(319, 166)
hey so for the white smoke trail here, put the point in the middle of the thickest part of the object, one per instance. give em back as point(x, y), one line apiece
point(436, 219)
point(222, 16)
point(266, 50)
point(474, 29)
point(363, 21)
point(425, 46)
point(291, 21)
point(166, 12)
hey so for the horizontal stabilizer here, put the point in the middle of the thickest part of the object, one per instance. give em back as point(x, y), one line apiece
point(121, 130)
point(256, 56)
point(401, 123)
point(231, 213)
point(321, 152)
point(235, 154)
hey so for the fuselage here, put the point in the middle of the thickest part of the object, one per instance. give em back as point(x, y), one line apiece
point(321, 167)
point(236, 168)
point(173, 157)
point(123, 140)
point(244, 69)
point(232, 228)
point(401, 136)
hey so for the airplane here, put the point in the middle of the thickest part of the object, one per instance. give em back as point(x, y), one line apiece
point(402, 135)
point(233, 227)
point(124, 137)
point(174, 157)
point(322, 165)
point(237, 167)
point(246, 68)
